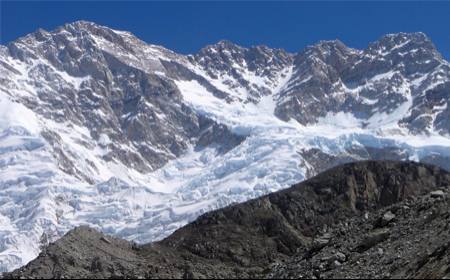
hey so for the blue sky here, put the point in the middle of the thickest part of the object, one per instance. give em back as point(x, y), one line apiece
point(185, 27)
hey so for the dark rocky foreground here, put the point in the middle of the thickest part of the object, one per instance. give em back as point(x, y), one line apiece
point(378, 219)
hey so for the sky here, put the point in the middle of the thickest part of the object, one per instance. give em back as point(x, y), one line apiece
point(186, 27)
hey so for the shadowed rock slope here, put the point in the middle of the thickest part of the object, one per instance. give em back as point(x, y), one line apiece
point(365, 219)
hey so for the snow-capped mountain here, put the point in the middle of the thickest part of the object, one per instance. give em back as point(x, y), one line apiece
point(98, 127)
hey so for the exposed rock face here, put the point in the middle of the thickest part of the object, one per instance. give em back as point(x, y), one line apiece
point(327, 226)
point(379, 80)
point(120, 91)
point(240, 67)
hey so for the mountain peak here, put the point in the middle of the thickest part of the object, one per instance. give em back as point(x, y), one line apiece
point(91, 27)
point(221, 46)
point(327, 47)
point(402, 41)
point(330, 43)
point(326, 50)
point(414, 36)
point(81, 23)
point(225, 43)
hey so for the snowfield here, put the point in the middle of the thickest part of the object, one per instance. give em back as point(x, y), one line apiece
point(40, 201)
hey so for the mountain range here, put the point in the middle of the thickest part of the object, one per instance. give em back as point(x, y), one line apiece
point(100, 128)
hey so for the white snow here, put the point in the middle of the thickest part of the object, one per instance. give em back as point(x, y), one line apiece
point(15, 114)
point(104, 140)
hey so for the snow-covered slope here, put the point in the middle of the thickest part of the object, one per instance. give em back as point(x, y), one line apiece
point(100, 128)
